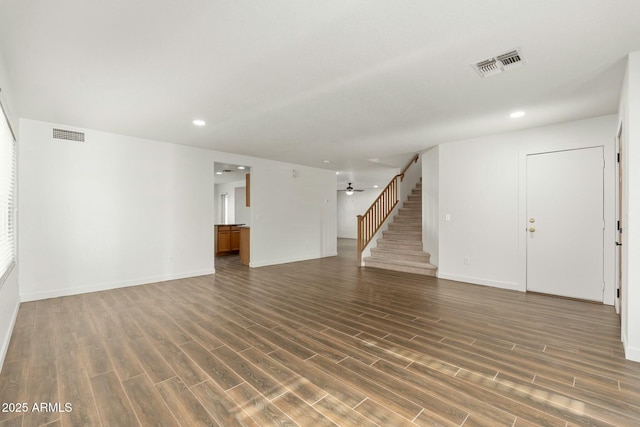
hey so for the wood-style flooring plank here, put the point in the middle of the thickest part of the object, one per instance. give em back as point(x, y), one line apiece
point(341, 414)
point(13, 385)
point(319, 342)
point(75, 389)
point(435, 405)
point(13, 420)
point(221, 407)
point(290, 379)
point(151, 361)
point(183, 404)
point(147, 403)
point(123, 358)
point(113, 405)
point(258, 407)
point(217, 370)
point(250, 373)
point(327, 382)
point(399, 404)
point(300, 412)
point(42, 387)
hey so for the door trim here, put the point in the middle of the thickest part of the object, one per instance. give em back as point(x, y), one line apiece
point(619, 220)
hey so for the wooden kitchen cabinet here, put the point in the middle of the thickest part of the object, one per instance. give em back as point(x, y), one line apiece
point(244, 245)
point(235, 238)
point(227, 239)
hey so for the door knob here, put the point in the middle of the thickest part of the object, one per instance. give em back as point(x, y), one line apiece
point(532, 220)
point(531, 229)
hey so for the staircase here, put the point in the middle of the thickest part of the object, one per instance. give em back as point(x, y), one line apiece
point(400, 248)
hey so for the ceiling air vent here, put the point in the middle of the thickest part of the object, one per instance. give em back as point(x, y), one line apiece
point(488, 67)
point(510, 59)
point(68, 135)
point(496, 65)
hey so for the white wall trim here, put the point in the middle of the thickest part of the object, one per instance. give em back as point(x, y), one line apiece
point(483, 282)
point(55, 293)
point(288, 260)
point(7, 340)
point(631, 353)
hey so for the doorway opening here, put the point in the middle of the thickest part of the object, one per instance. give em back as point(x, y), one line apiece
point(233, 215)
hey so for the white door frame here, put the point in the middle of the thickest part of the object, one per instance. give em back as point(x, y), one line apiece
point(609, 209)
point(618, 215)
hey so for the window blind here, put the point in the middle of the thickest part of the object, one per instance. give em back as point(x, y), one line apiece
point(7, 196)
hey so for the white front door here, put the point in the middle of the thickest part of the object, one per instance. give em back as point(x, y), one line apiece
point(565, 225)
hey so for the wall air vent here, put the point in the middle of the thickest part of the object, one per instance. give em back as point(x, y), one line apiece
point(67, 135)
point(496, 65)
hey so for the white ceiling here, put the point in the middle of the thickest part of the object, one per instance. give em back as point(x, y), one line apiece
point(306, 81)
point(227, 172)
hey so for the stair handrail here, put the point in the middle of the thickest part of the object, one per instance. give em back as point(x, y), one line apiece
point(379, 211)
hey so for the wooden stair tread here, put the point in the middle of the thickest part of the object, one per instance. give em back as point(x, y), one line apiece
point(412, 267)
point(400, 262)
point(401, 251)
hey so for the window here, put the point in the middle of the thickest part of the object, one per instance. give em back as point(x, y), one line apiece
point(7, 196)
point(224, 208)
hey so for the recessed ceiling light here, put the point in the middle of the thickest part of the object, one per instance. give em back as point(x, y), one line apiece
point(326, 162)
point(337, 173)
point(517, 114)
point(375, 186)
point(218, 173)
point(241, 168)
point(199, 122)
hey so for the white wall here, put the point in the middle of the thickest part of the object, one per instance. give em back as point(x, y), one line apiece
point(293, 215)
point(118, 211)
point(242, 212)
point(9, 291)
point(482, 187)
point(113, 211)
point(630, 119)
point(349, 207)
point(230, 189)
point(431, 203)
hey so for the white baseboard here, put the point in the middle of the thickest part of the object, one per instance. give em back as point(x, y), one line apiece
point(55, 293)
point(7, 339)
point(288, 260)
point(479, 281)
point(630, 353)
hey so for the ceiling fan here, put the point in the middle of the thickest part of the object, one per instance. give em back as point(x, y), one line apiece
point(349, 190)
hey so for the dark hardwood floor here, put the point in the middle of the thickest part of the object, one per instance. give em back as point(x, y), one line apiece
point(317, 343)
